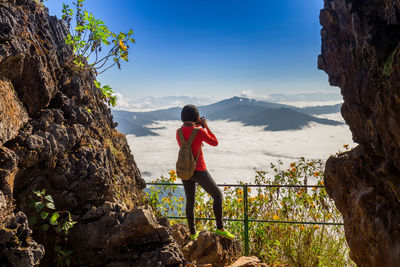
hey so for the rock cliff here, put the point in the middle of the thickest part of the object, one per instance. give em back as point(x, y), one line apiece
point(360, 53)
point(57, 134)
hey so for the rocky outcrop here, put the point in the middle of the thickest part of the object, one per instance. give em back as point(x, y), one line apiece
point(208, 248)
point(360, 53)
point(57, 134)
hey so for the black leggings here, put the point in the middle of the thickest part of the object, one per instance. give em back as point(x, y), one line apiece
point(204, 179)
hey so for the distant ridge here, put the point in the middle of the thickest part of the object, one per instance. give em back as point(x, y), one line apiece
point(274, 116)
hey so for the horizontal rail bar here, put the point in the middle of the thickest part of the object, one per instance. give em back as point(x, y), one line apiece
point(258, 221)
point(250, 185)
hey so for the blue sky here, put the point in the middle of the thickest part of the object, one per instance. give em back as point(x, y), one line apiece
point(214, 49)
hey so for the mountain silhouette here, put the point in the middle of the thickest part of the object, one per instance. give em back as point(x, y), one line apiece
point(274, 116)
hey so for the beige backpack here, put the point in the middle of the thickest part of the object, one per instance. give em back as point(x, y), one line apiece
point(186, 164)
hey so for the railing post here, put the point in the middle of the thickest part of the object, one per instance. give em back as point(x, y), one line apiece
point(246, 222)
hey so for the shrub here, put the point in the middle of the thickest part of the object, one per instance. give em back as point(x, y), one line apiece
point(274, 243)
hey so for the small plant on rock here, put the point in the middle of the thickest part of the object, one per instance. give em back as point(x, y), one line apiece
point(48, 218)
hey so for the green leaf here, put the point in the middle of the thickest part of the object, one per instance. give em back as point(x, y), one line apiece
point(49, 198)
point(39, 206)
point(37, 192)
point(53, 218)
point(44, 227)
point(50, 205)
point(44, 215)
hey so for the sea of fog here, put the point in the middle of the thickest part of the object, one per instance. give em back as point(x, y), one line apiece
point(241, 148)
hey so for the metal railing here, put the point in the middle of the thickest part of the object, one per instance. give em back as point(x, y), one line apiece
point(246, 219)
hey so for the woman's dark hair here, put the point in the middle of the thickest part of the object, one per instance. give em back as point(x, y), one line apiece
point(189, 113)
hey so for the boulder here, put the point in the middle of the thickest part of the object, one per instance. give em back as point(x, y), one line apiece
point(360, 53)
point(57, 134)
point(208, 248)
point(252, 261)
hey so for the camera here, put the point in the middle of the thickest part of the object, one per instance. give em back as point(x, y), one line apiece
point(201, 122)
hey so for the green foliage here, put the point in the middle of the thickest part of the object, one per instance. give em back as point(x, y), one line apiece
point(88, 36)
point(274, 243)
point(387, 69)
point(48, 218)
point(107, 94)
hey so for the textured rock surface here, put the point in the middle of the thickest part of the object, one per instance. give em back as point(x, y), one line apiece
point(360, 53)
point(57, 134)
point(208, 248)
point(252, 261)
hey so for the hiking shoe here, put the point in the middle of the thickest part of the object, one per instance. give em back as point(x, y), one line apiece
point(194, 236)
point(224, 233)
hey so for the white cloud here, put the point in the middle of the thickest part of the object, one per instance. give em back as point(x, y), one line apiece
point(241, 148)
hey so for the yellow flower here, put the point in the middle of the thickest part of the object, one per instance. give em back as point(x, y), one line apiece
point(316, 226)
point(121, 44)
point(252, 198)
point(172, 172)
point(240, 200)
point(171, 222)
point(292, 164)
point(240, 191)
point(225, 188)
point(249, 190)
point(316, 174)
point(180, 199)
point(301, 227)
point(316, 216)
point(294, 169)
point(275, 217)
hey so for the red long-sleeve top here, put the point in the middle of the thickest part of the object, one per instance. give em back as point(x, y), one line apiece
point(202, 135)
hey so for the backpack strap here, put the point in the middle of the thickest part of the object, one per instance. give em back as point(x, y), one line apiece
point(181, 137)
point(191, 138)
point(193, 135)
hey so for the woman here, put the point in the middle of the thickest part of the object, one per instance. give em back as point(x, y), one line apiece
point(190, 118)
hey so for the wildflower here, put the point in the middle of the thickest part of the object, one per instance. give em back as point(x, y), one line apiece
point(301, 227)
point(252, 198)
point(316, 174)
point(240, 191)
point(315, 216)
point(172, 222)
point(292, 164)
point(294, 169)
point(249, 190)
point(225, 188)
point(180, 199)
point(275, 217)
point(322, 182)
point(163, 199)
point(172, 173)
point(316, 226)
point(240, 200)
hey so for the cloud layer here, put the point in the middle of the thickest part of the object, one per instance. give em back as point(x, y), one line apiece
point(240, 150)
